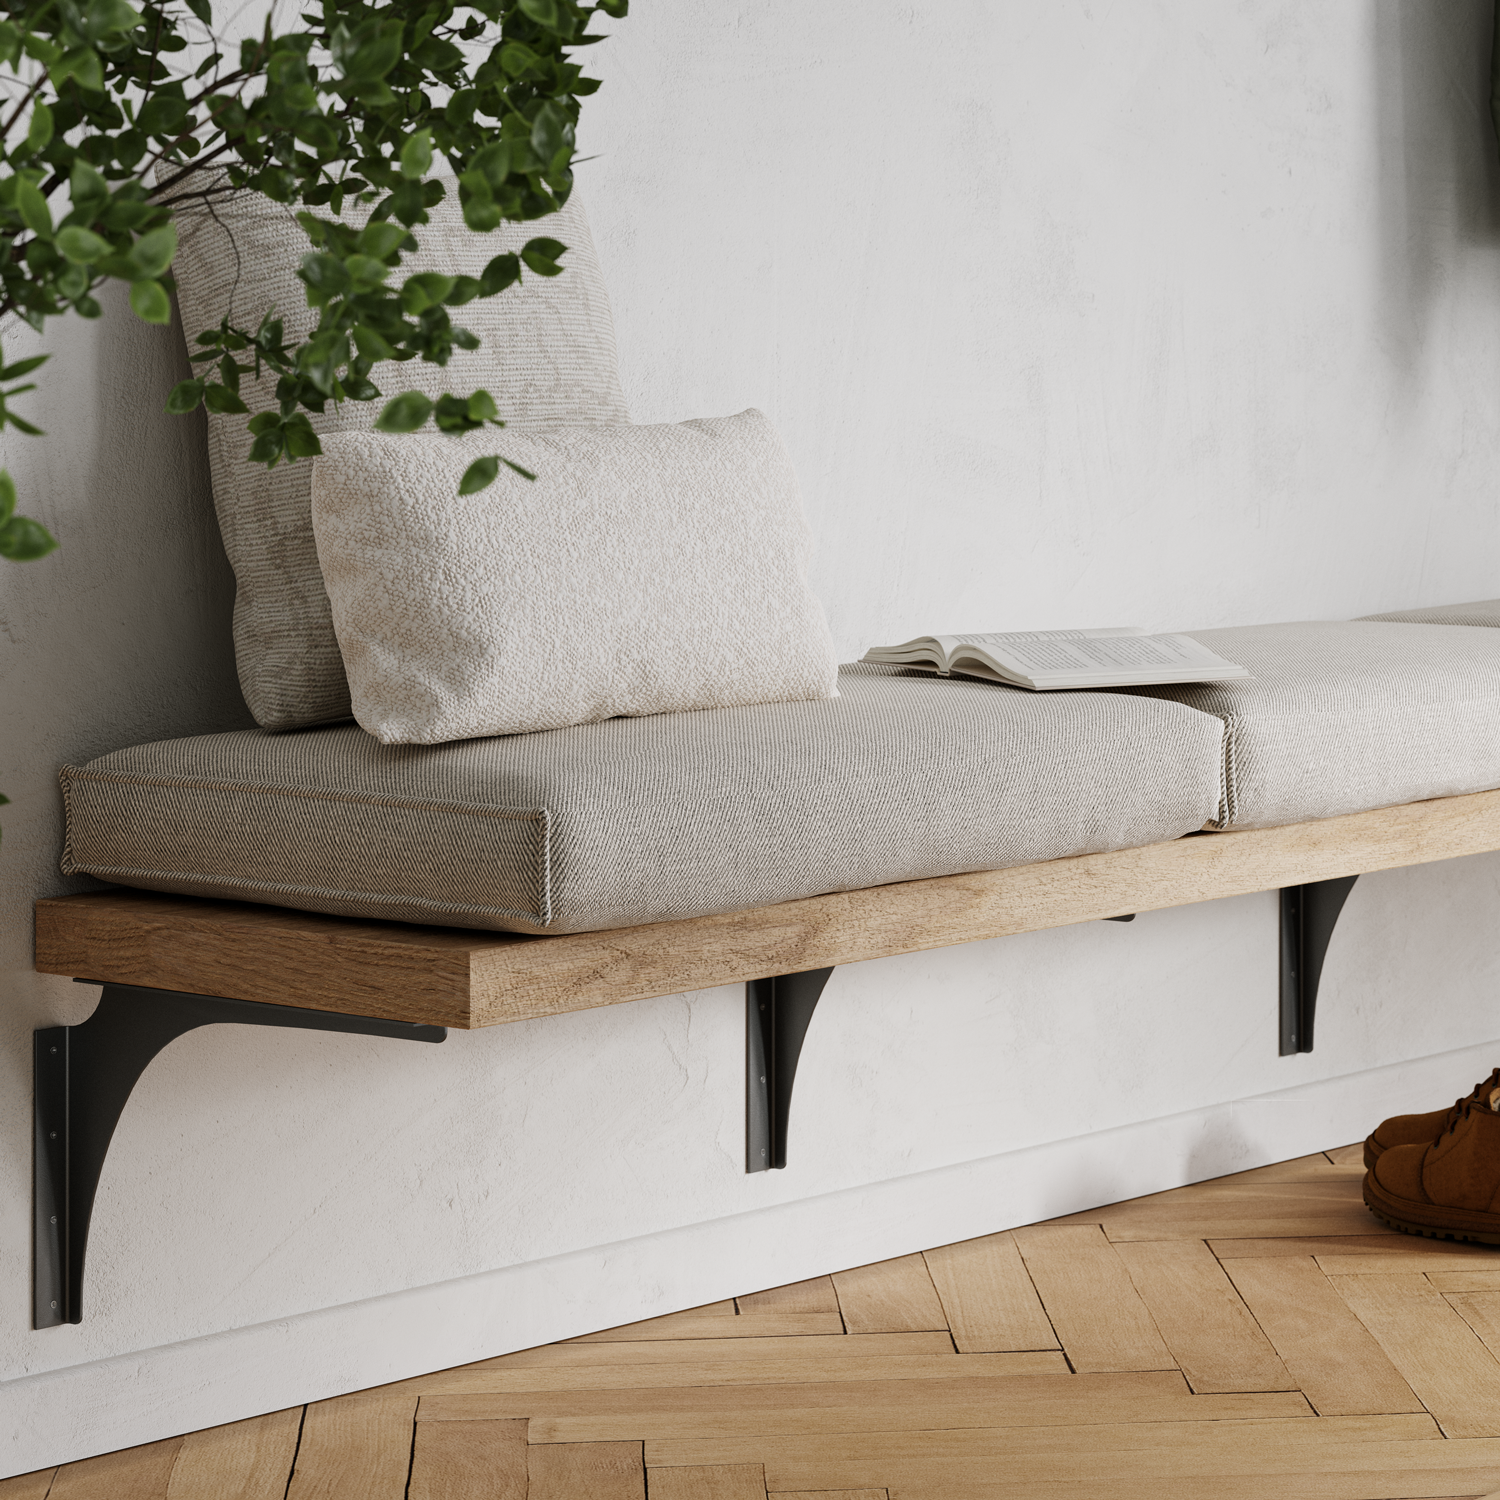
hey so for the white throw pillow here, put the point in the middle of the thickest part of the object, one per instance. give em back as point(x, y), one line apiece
point(548, 356)
point(645, 570)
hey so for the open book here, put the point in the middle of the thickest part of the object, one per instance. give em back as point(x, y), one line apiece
point(1122, 656)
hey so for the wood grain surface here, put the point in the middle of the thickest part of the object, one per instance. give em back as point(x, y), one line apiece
point(1395, 1359)
point(465, 979)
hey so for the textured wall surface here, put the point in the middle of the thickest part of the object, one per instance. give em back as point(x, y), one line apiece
point(1172, 314)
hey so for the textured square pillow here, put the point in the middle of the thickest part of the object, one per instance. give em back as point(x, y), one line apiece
point(548, 356)
point(646, 570)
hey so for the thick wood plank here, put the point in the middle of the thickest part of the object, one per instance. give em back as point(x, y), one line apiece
point(1437, 1353)
point(1432, 1257)
point(708, 1482)
point(1348, 1156)
point(1099, 1316)
point(892, 1296)
point(754, 1325)
point(355, 1448)
point(466, 979)
point(1465, 1281)
point(469, 1461)
point(1197, 1311)
point(1481, 1311)
point(831, 1495)
point(988, 1298)
point(1332, 1356)
point(815, 1296)
point(250, 1460)
point(131, 1474)
point(586, 1471)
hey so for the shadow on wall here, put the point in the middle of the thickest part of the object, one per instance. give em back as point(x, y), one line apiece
point(1438, 185)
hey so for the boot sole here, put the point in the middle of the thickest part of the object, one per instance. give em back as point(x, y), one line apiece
point(1431, 1221)
point(1372, 1152)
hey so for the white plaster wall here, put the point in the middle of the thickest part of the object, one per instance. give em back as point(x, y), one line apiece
point(1177, 314)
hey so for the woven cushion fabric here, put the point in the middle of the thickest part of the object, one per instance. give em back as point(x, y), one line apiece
point(650, 819)
point(547, 356)
point(644, 570)
point(1480, 612)
point(1341, 717)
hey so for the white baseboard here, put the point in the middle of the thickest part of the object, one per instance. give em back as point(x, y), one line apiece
point(156, 1393)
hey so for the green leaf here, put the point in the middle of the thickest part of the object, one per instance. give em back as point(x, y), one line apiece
point(549, 15)
point(185, 396)
point(541, 255)
point(23, 367)
point(218, 398)
point(86, 187)
point(301, 440)
point(149, 302)
point(40, 130)
point(480, 475)
point(381, 240)
point(482, 407)
point(425, 289)
point(376, 58)
point(416, 155)
point(501, 272)
point(465, 289)
point(32, 207)
point(516, 468)
point(153, 252)
point(82, 246)
point(23, 540)
point(370, 344)
point(107, 17)
point(81, 63)
point(405, 413)
point(481, 214)
point(7, 496)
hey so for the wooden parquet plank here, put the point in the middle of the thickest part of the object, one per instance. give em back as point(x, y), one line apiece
point(355, 1448)
point(33, 1486)
point(881, 1407)
point(250, 1460)
point(741, 1372)
point(815, 1296)
point(1434, 1257)
point(1099, 1316)
point(1385, 1242)
point(1333, 1358)
point(1481, 1311)
point(988, 1297)
point(842, 1346)
point(1405, 1484)
point(1197, 1311)
point(131, 1474)
point(1438, 1354)
point(891, 1296)
point(1465, 1281)
point(831, 1495)
point(755, 1325)
point(586, 1471)
point(708, 1482)
point(1103, 1455)
point(474, 1460)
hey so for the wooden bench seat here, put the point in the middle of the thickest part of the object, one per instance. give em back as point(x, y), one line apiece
point(466, 979)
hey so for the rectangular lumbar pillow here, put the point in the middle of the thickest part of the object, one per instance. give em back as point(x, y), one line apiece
point(644, 570)
point(547, 356)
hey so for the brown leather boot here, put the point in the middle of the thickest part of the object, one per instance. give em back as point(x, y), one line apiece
point(1422, 1130)
point(1449, 1189)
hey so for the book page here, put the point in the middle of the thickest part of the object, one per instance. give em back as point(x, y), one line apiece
point(1100, 658)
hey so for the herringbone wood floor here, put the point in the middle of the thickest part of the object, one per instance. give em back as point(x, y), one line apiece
point(1260, 1337)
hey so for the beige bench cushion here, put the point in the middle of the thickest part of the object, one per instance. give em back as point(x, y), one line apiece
point(645, 820)
point(1340, 717)
point(1480, 612)
point(548, 356)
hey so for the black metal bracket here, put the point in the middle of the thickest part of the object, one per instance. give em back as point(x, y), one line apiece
point(777, 1012)
point(1308, 916)
point(84, 1075)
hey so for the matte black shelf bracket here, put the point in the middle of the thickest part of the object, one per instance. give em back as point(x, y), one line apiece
point(1308, 916)
point(84, 1075)
point(777, 1012)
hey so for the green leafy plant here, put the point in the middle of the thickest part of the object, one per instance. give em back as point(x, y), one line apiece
point(115, 116)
